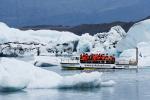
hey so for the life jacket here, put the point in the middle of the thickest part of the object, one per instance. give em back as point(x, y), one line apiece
point(103, 57)
point(95, 58)
point(100, 57)
point(113, 59)
point(81, 57)
point(84, 57)
point(106, 58)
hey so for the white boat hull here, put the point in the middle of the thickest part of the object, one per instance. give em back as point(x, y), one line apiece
point(98, 66)
point(70, 65)
point(82, 66)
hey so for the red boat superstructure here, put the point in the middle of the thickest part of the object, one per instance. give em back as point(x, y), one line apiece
point(97, 59)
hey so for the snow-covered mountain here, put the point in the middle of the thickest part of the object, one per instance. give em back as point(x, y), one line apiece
point(16, 42)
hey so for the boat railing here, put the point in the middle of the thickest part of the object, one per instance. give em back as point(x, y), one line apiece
point(70, 61)
point(99, 62)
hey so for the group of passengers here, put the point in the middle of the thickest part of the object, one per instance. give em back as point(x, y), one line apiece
point(97, 58)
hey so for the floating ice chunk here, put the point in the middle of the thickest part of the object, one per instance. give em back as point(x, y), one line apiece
point(83, 80)
point(13, 74)
point(139, 32)
point(44, 79)
point(108, 83)
point(46, 61)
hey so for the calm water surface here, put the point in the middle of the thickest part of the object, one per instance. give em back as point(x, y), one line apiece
point(129, 86)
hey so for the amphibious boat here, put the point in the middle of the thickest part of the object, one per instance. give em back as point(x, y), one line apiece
point(89, 61)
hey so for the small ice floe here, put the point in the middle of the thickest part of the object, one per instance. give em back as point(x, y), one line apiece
point(109, 83)
point(83, 80)
point(43, 64)
point(44, 61)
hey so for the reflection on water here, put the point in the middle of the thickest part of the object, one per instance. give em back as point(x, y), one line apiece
point(130, 86)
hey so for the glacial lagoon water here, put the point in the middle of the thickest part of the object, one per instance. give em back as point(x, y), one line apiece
point(130, 85)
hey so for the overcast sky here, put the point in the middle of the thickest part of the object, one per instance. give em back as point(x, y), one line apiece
point(71, 12)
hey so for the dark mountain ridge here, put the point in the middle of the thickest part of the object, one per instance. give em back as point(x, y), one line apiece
point(85, 28)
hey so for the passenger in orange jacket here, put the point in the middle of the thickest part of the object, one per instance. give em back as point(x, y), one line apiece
point(83, 58)
point(100, 57)
point(103, 57)
point(94, 58)
point(113, 59)
point(86, 57)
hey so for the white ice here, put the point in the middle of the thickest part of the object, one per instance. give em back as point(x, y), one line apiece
point(143, 54)
point(41, 36)
point(46, 60)
point(139, 32)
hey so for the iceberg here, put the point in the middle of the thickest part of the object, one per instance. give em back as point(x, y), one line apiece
point(13, 75)
point(15, 42)
point(83, 80)
point(85, 43)
point(101, 42)
point(138, 36)
point(139, 32)
point(46, 61)
point(143, 54)
point(106, 42)
point(40, 36)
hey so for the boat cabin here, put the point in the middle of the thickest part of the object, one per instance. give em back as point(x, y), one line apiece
point(97, 58)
